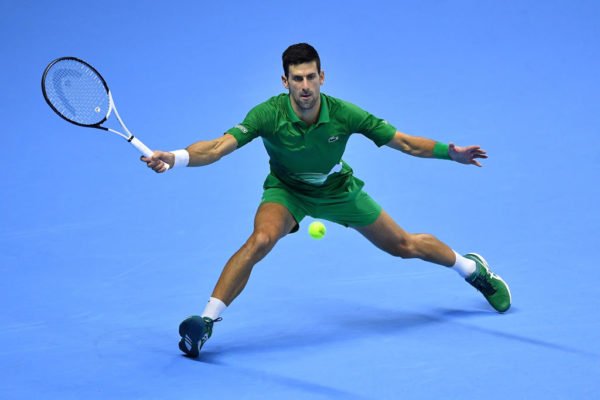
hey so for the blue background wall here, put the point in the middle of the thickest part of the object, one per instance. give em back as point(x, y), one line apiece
point(101, 259)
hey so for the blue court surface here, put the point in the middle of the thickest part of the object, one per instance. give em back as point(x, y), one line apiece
point(101, 259)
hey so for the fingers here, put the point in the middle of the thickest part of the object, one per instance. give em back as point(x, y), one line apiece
point(468, 154)
point(475, 152)
point(158, 162)
point(478, 153)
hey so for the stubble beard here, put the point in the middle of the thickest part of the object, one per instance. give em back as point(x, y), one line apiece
point(306, 105)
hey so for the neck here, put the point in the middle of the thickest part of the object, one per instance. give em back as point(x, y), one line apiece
point(310, 116)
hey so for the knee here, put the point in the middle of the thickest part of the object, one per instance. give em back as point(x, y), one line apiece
point(261, 242)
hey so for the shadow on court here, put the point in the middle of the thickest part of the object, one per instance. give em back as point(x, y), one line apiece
point(376, 322)
point(269, 378)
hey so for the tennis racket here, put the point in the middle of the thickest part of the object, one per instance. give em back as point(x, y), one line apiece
point(77, 92)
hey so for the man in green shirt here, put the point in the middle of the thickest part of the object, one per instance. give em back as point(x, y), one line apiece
point(305, 134)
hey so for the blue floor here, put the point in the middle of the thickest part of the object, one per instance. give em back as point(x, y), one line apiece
point(101, 259)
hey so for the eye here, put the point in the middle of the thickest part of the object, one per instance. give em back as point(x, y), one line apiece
point(297, 78)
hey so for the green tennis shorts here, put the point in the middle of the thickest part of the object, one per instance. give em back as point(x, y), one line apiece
point(349, 206)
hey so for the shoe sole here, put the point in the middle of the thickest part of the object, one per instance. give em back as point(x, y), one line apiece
point(486, 265)
point(184, 328)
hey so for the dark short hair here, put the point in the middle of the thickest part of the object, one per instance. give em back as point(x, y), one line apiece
point(299, 53)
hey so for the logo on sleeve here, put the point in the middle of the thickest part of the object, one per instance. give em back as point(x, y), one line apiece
point(242, 128)
point(333, 139)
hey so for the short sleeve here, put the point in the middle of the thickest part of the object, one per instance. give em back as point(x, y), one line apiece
point(376, 129)
point(257, 123)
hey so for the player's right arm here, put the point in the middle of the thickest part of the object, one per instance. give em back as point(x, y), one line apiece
point(207, 152)
point(200, 153)
point(259, 119)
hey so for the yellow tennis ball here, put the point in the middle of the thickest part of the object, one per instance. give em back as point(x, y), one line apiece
point(317, 230)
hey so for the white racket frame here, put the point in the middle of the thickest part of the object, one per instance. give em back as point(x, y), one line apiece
point(142, 148)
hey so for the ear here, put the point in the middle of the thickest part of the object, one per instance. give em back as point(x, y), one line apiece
point(285, 82)
point(322, 77)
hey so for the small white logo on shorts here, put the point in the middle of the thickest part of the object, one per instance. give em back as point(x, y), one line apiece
point(242, 128)
point(333, 139)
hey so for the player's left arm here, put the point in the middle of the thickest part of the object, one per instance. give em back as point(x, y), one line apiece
point(429, 148)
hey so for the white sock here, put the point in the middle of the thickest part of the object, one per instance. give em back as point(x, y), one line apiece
point(214, 308)
point(464, 266)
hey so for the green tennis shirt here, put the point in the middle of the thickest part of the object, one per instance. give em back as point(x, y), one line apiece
point(309, 158)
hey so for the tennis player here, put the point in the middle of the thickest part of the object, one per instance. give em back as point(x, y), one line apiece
point(305, 133)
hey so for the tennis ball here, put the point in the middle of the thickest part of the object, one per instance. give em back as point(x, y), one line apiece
point(317, 230)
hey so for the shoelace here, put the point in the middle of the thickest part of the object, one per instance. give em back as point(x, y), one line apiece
point(482, 284)
point(209, 325)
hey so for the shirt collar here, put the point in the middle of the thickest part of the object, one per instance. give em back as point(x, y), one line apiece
point(323, 112)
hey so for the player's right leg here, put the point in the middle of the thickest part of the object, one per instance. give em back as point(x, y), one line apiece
point(272, 222)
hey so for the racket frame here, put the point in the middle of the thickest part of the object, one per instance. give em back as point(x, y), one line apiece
point(111, 108)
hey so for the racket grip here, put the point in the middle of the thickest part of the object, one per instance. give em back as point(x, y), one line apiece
point(144, 149)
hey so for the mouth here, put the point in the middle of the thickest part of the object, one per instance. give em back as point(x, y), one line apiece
point(305, 96)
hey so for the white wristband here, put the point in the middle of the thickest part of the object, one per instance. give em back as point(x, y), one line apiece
point(182, 158)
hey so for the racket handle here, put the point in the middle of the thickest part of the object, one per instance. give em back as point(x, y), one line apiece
point(144, 149)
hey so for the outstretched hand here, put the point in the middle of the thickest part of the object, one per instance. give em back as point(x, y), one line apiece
point(466, 155)
point(158, 160)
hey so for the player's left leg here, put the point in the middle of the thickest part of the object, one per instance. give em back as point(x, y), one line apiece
point(386, 234)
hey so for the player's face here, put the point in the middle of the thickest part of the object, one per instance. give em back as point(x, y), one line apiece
point(304, 83)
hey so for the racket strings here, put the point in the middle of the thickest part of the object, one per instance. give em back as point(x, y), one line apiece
point(77, 92)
